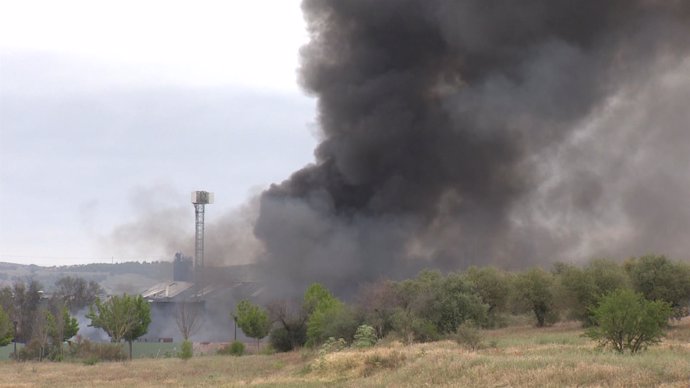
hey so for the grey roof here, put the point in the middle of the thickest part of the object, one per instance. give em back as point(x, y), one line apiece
point(167, 290)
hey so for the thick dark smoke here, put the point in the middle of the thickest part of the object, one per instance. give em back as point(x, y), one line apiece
point(485, 132)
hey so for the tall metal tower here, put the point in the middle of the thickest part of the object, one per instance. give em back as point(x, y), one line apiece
point(200, 199)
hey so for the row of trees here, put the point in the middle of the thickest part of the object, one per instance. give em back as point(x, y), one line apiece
point(45, 323)
point(433, 305)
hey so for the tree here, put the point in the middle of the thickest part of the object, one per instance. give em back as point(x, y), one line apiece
point(291, 330)
point(253, 320)
point(76, 293)
point(377, 303)
point(627, 321)
point(452, 302)
point(327, 316)
point(535, 289)
point(493, 287)
point(188, 318)
point(70, 325)
point(121, 317)
point(25, 300)
point(582, 288)
point(658, 278)
point(186, 350)
point(6, 328)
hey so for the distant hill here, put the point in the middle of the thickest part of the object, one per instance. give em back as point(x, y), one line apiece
point(130, 277)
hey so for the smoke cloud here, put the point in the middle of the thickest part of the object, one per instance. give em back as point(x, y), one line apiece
point(163, 227)
point(473, 132)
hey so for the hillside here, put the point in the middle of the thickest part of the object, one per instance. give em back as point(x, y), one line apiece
point(128, 277)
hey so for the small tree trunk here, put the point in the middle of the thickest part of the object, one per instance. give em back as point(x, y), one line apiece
point(130, 350)
point(257, 345)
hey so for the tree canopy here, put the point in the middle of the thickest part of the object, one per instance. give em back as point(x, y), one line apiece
point(627, 321)
point(535, 288)
point(121, 317)
point(253, 320)
point(6, 328)
point(76, 293)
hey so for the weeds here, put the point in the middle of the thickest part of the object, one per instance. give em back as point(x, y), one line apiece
point(377, 362)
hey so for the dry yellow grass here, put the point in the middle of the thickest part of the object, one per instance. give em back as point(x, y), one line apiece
point(518, 356)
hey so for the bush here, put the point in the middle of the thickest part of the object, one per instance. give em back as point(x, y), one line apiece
point(186, 350)
point(376, 362)
point(285, 339)
point(627, 321)
point(87, 350)
point(365, 337)
point(412, 328)
point(469, 337)
point(33, 351)
point(332, 345)
point(236, 348)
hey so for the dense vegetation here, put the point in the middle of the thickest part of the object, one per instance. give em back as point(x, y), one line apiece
point(433, 305)
point(429, 307)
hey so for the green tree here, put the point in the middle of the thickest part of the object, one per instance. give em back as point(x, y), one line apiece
point(6, 328)
point(71, 326)
point(452, 303)
point(327, 316)
point(59, 327)
point(493, 287)
point(535, 290)
point(186, 350)
point(121, 317)
point(658, 278)
point(582, 288)
point(627, 321)
point(253, 320)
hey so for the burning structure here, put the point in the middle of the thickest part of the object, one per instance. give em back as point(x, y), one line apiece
point(209, 293)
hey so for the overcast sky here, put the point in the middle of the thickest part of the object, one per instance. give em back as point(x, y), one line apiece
point(108, 108)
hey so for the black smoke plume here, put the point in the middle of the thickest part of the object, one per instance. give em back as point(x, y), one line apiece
point(482, 132)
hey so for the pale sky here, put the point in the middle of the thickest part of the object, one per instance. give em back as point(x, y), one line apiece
point(101, 101)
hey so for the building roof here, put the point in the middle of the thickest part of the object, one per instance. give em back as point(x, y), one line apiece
point(167, 290)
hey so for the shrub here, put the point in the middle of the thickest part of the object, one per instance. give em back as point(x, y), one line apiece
point(376, 362)
point(32, 351)
point(365, 337)
point(86, 350)
point(332, 345)
point(469, 337)
point(627, 321)
point(90, 361)
point(284, 340)
point(236, 348)
point(186, 350)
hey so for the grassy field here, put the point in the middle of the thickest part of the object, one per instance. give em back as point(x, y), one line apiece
point(512, 357)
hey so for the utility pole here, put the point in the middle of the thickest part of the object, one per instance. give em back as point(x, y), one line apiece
point(15, 340)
